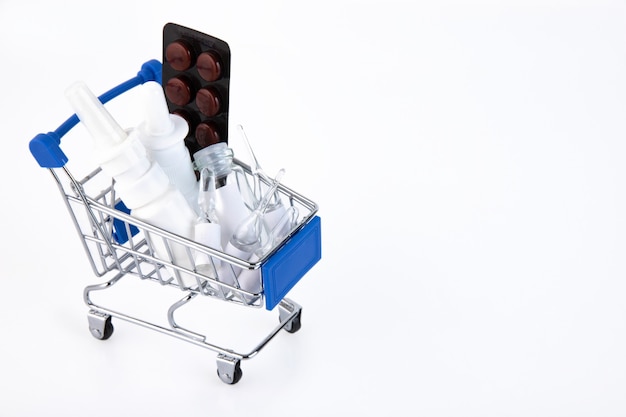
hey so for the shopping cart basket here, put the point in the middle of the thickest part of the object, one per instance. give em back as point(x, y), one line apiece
point(119, 245)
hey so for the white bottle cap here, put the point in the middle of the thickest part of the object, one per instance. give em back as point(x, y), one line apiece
point(250, 280)
point(236, 252)
point(230, 208)
point(124, 160)
point(208, 234)
point(144, 190)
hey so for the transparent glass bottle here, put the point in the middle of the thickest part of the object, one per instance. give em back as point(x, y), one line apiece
point(234, 198)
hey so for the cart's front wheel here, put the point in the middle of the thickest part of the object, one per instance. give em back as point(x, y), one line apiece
point(100, 325)
point(295, 323)
point(231, 380)
point(229, 369)
point(290, 315)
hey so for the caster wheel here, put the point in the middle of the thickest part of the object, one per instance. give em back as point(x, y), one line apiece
point(101, 328)
point(236, 377)
point(295, 324)
point(108, 329)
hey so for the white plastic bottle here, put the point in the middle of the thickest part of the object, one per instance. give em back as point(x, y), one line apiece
point(141, 183)
point(163, 135)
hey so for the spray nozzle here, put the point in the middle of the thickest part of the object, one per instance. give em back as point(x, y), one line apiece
point(157, 115)
point(105, 131)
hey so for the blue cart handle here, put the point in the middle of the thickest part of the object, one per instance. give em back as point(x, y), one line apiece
point(45, 146)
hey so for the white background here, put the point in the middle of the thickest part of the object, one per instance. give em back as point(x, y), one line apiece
point(468, 162)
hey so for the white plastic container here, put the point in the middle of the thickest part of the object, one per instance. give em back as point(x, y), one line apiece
point(208, 234)
point(163, 135)
point(141, 183)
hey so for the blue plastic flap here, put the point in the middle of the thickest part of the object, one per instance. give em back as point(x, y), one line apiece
point(119, 227)
point(285, 268)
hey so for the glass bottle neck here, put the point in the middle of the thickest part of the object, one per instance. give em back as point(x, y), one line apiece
point(218, 158)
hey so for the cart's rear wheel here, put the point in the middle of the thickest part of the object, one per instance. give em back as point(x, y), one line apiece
point(295, 324)
point(100, 325)
point(236, 377)
point(108, 329)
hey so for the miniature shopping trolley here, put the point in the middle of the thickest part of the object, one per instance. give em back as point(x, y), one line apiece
point(119, 245)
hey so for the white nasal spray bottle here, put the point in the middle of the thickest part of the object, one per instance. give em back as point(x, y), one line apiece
point(141, 183)
point(163, 134)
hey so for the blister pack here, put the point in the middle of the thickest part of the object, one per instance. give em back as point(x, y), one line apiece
point(196, 80)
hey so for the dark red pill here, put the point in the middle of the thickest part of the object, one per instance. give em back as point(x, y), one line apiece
point(178, 55)
point(209, 66)
point(186, 117)
point(178, 91)
point(208, 102)
point(206, 134)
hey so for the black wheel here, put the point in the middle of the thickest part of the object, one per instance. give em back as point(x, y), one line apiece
point(295, 323)
point(236, 377)
point(108, 329)
point(105, 333)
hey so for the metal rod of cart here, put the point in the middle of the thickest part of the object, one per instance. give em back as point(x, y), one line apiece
point(119, 245)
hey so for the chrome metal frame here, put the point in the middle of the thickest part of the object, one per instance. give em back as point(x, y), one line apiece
point(91, 202)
